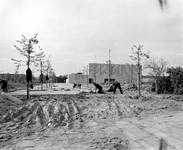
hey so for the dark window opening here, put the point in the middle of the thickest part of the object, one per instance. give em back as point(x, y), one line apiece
point(90, 80)
point(106, 80)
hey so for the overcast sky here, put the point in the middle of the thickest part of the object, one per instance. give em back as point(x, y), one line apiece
point(73, 32)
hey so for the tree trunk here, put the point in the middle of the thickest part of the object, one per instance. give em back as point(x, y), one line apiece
point(156, 86)
point(139, 83)
point(109, 81)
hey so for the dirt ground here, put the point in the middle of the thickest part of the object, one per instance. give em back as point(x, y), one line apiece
point(91, 115)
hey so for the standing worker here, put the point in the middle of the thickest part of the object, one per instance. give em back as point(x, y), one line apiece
point(99, 87)
point(4, 85)
point(114, 86)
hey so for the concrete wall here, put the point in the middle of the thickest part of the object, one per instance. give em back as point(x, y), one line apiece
point(122, 73)
point(100, 74)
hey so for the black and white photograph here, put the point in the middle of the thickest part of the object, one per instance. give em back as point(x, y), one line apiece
point(91, 75)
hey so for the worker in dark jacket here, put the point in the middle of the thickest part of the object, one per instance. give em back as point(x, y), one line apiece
point(4, 85)
point(114, 86)
point(98, 87)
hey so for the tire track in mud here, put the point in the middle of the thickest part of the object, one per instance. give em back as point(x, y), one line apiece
point(71, 114)
point(68, 112)
point(78, 114)
point(120, 113)
point(118, 105)
point(37, 115)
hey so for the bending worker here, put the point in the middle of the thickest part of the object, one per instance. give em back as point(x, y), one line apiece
point(114, 86)
point(98, 87)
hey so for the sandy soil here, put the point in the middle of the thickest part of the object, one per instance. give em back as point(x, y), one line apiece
point(87, 114)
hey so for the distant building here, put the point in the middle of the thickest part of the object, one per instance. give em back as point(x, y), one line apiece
point(124, 73)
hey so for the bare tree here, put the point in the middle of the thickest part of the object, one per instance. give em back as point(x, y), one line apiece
point(110, 71)
point(137, 56)
point(110, 68)
point(27, 50)
point(85, 72)
point(50, 73)
point(41, 64)
point(94, 70)
point(157, 68)
point(101, 71)
point(17, 63)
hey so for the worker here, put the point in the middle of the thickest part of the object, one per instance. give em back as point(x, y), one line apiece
point(114, 86)
point(98, 87)
point(4, 85)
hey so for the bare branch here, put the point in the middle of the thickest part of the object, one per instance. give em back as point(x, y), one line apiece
point(24, 37)
point(35, 35)
point(156, 67)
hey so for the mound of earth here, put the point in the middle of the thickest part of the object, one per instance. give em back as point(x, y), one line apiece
point(42, 113)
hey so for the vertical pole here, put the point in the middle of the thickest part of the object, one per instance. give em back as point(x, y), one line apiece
point(28, 81)
point(47, 80)
point(132, 72)
point(41, 76)
point(109, 67)
point(48, 68)
point(139, 93)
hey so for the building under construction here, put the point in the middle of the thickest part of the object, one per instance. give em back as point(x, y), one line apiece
point(102, 73)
